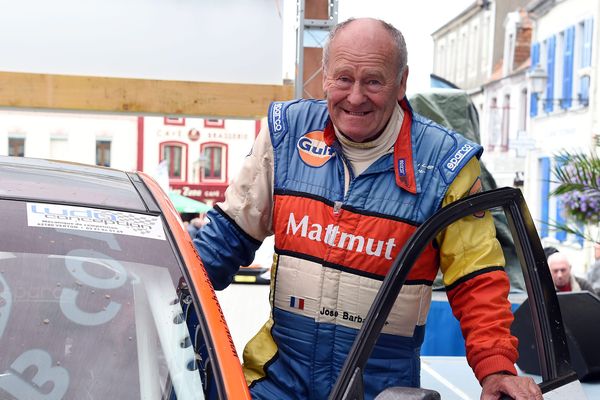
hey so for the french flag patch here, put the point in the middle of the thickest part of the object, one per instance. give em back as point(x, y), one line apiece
point(297, 302)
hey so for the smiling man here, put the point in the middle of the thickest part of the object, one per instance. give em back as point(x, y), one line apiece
point(342, 184)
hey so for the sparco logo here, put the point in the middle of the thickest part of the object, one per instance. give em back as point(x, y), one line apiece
point(457, 158)
point(277, 125)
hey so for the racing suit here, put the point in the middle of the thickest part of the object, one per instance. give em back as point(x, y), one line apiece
point(336, 235)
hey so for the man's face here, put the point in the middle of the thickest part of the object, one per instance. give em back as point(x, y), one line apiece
point(360, 80)
point(561, 272)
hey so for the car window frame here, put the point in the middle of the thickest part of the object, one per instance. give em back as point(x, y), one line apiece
point(547, 322)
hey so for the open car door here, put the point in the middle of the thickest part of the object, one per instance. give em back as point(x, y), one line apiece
point(559, 381)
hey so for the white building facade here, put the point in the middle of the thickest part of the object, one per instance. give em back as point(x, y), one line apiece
point(201, 155)
point(565, 115)
point(107, 140)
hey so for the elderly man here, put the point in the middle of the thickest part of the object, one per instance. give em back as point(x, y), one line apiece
point(342, 185)
point(564, 280)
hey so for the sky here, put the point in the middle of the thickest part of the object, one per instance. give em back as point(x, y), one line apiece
point(416, 19)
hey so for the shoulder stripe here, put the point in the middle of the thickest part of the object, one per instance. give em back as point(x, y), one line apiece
point(473, 275)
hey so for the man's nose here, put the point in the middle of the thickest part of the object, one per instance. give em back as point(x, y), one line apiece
point(357, 93)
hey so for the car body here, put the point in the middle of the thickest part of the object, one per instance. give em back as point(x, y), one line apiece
point(102, 294)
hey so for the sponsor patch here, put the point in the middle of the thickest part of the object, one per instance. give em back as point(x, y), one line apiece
point(402, 167)
point(276, 119)
point(313, 150)
point(296, 302)
point(455, 160)
point(58, 216)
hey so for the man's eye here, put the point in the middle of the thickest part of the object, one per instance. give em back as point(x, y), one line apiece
point(343, 82)
point(374, 82)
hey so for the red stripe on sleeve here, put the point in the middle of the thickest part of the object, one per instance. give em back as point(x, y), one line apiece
point(482, 307)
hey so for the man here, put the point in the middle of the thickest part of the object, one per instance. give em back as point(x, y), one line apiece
point(342, 185)
point(564, 281)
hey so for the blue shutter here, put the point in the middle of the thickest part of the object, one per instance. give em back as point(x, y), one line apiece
point(560, 234)
point(586, 60)
point(535, 60)
point(544, 195)
point(567, 78)
point(551, 47)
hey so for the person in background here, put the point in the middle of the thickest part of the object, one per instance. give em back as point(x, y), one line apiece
point(342, 184)
point(195, 224)
point(593, 275)
point(564, 280)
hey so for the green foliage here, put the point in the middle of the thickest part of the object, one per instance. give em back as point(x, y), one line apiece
point(578, 179)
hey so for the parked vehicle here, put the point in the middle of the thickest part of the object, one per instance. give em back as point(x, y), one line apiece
point(102, 295)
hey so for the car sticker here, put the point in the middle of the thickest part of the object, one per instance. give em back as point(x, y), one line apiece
point(59, 216)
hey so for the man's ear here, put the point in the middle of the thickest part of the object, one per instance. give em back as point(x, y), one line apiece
point(403, 82)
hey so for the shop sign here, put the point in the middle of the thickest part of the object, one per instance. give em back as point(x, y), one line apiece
point(201, 192)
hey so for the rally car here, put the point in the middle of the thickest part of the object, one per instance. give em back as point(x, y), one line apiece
point(102, 294)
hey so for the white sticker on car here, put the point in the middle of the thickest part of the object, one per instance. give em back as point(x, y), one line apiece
point(58, 216)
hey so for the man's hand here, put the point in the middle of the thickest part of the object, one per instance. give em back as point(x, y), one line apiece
point(517, 387)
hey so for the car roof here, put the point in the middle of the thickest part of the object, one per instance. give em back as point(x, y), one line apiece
point(64, 182)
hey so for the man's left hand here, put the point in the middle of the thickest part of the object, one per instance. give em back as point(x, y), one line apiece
point(517, 387)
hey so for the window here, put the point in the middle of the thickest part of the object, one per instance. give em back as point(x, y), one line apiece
point(535, 61)
point(178, 121)
point(544, 166)
point(214, 123)
point(215, 161)
point(505, 123)
point(567, 67)
point(523, 111)
point(16, 147)
point(495, 122)
point(550, 50)
point(176, 155)
point(103, 153)
point(585, 60)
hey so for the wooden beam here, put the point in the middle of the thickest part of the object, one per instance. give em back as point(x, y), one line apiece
point(138, 96)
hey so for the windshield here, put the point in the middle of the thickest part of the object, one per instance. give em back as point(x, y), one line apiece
point(89, 307)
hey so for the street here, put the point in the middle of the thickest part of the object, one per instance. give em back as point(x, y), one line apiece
point(246, 309)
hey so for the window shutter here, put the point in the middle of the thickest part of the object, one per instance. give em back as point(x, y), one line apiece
point(567, 78)
point(535, 60)
point(551, 44)
point(560, 234)
point(586, 60)
point(544, 195)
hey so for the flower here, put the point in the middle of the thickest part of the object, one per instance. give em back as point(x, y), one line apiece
point(578, 178)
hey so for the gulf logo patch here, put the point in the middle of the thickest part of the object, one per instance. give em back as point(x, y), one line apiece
point(313, 150)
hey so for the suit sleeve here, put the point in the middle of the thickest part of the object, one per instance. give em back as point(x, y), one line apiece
point(472, 262)
point(238, 225)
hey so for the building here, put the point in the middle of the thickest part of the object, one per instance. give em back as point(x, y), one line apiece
point(564, 113)
point(504, 115)
point(491, 50)
point(200, 155)
point(470, 51)
point(100, 139)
